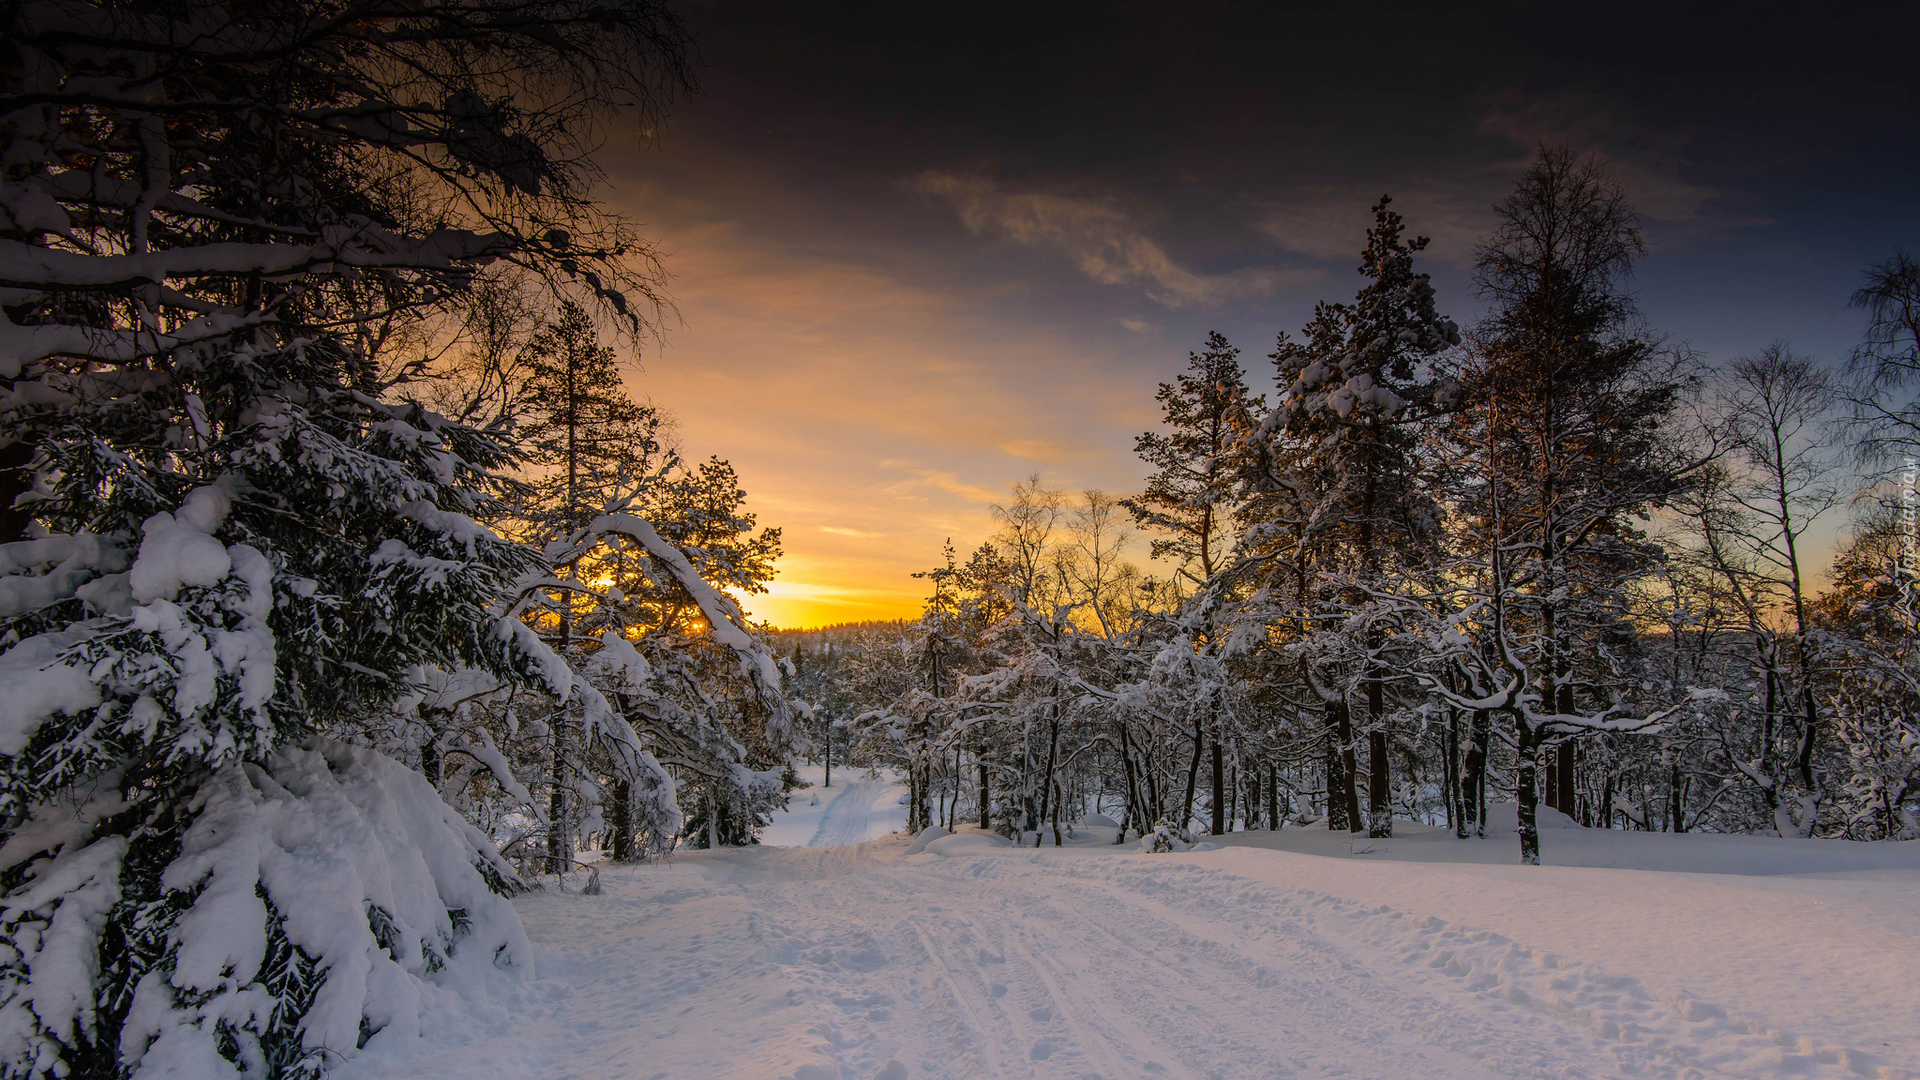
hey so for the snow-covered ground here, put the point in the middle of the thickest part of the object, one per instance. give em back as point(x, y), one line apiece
point(857, 808)
point(1298, 954)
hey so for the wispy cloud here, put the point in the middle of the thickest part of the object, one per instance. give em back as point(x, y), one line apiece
point(951, 483)
point(855, 533)
point(1101, 239)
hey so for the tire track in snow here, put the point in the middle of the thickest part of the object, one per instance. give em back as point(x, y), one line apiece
point(1051, 991)
point(1640, 1032)
point(848, 816)
point(852, 964)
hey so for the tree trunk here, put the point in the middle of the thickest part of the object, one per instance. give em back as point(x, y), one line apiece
point(1219, 793)
point(1606, 801)
point(1136, 807)
point(1677, 804)
point(713, 817)
point(986, 802)
point(1456, 794)
point(1476, 793)
point(1563, 783)
point(1193, 777)
point(1379, 787)
point(1046, 781)
point(620, 821)
point(557, 853)
point(1056, 814)
point(1273, 795)
point(1348, 766)
point(1338, 778)
point(1379, 766)
point(1525, 794)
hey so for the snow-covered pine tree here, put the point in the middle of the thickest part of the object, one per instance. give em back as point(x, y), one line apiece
point(1206, 410)
point(224, 539)
point(589, 447)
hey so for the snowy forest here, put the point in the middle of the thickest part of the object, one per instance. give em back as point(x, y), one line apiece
point(1549, 559)
point(347, 595)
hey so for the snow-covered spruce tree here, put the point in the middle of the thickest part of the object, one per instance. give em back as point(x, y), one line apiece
point(1337, 474)
point(223, 538)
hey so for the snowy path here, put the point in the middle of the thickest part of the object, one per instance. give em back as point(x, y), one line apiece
point(849, 816)
point(858, 963)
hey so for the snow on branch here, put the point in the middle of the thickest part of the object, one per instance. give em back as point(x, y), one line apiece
point(724, 618)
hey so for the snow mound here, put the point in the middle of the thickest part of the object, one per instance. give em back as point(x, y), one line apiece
point(927, 836)
point(967, 843)
point(1097, 821)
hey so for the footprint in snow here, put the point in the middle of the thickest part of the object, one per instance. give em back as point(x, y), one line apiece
point(1041, 1051)
point(1042, 1014)
point(998, 989)
point(892, 1070)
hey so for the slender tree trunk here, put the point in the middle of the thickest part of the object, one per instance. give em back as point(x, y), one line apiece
point(1678, 806)
point(1349, 766)
point(986, 801)
point(913, 798)
point(1606, 801)
point(1193, 778)
point(1476, 801)
point(1456, 793)
point(1563, 782)
point(1136, 805)
point(1056, 814)
point(1046, 781)
point(1273, 795)
point(1219, 793)
point(713, 817)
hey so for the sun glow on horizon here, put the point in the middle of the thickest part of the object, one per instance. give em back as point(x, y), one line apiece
point(800, 605)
